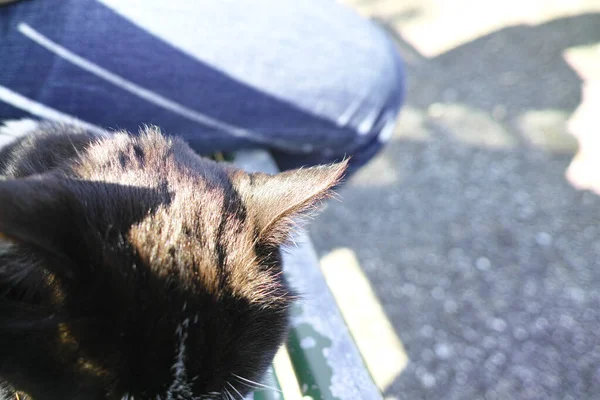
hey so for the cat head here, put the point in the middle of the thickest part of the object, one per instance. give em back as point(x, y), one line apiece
point(171, 288)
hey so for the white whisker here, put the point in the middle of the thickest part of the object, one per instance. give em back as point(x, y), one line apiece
point(254, 384)
point(235, 390)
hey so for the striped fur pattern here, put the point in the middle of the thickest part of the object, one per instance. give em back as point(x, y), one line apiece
point(131, 268)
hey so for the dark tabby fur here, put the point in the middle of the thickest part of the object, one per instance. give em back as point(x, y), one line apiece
point(131, 268)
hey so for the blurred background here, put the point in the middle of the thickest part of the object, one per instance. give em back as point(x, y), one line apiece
point(480, 248)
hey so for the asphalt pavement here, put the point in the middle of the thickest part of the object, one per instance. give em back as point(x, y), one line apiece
point(485, 259)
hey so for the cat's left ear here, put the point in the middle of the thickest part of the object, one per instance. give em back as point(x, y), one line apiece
point(277, 202)
point(38, 213)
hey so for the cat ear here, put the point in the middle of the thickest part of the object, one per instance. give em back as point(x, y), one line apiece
point(36, 213)
point(277, 201)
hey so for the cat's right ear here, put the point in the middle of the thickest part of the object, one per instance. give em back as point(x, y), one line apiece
point(39, 214)
point(277, 202)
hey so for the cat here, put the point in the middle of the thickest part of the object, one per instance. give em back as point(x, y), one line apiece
point(132, 268)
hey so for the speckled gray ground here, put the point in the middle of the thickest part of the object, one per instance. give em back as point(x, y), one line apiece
point(485, 259)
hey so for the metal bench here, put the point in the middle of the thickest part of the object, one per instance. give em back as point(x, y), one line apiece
point(320, 359)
